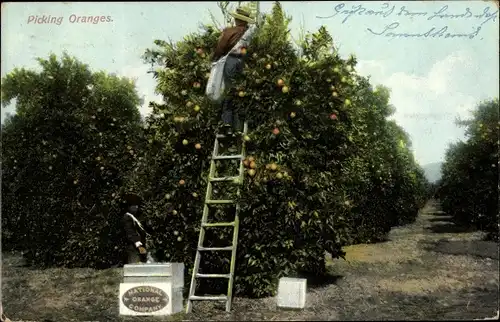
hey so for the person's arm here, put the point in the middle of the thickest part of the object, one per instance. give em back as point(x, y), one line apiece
point(132, 234)
point(249, 34)
point(241, 39)
point(221, 46)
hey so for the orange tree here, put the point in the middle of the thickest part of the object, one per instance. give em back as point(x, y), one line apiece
point(469, 185)
point(319, 146)
point(64, 156)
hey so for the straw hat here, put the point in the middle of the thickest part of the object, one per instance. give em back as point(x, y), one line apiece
point(243, 14)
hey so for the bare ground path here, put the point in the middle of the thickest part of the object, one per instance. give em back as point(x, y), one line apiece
point(428, 270)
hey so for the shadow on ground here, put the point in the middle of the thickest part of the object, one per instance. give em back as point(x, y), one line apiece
point(477, 248)
point(450, 228)
point(444, 219)
point(315, 281)
point(380, 241)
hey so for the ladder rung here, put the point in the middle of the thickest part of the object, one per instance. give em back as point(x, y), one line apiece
point(223, 179)
point(219, 202)
point(218, 224)
point(234, 136)
point(208, 298)
point(215, 248)
point(227, 157)
point(213, 275)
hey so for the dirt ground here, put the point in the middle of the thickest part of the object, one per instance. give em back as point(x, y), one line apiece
point(428, 270)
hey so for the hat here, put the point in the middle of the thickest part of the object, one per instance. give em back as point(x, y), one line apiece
point(243, 14)
point(132, 199)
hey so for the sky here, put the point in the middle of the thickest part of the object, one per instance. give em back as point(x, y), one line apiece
point(439, 58)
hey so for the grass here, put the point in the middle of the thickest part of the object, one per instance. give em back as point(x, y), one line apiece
point(422, 272)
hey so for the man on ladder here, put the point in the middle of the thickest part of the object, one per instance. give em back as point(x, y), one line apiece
point(230, 47)
point(229, 62)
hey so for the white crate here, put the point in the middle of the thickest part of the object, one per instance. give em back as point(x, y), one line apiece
point(155, 273)
point(292, 292)
point(143, 299)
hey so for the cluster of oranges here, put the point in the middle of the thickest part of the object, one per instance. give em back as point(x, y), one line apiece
point(284, 88)
point(251, 165)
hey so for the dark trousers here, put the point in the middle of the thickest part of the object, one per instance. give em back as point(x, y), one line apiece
point(230, 116)
point(134, 257)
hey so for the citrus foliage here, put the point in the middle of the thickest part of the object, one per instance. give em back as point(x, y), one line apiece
point(469, 186)
point(64, 156)
point(326, 167)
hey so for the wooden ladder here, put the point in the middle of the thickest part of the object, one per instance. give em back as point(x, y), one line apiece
point(204, 223)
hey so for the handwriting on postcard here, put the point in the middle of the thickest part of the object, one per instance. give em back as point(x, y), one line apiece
point(437, 28)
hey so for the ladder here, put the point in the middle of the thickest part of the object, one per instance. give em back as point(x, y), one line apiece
point(204, 223)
